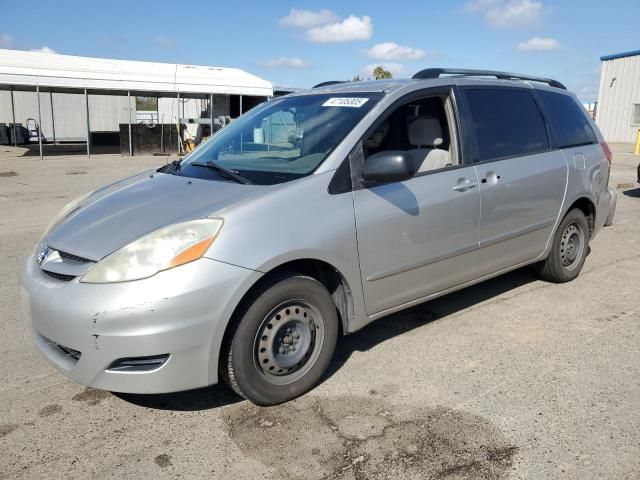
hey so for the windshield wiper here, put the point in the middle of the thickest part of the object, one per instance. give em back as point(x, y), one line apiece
point(229, 173)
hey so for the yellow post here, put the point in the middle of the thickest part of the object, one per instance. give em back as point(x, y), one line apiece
point(638, 143)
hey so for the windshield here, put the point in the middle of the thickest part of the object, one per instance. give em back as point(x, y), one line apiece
point(280, 140)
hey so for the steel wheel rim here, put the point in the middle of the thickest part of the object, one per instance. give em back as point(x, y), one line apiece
point(571, 246)
point(288, 342)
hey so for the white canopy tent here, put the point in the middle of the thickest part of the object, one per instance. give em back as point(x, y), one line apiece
point(36, 71)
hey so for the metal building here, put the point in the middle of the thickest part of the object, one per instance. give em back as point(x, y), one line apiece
point(82, 99)
point(618, 110)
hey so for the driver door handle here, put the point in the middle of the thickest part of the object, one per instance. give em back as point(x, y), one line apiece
point(464, 184)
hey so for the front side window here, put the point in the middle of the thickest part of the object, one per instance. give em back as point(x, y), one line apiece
point(567, 119)
point(505, 123)
point(421, 129)
point(280, 140)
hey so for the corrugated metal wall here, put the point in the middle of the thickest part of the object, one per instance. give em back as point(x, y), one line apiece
point(106, 112)
point(193, 108)
point(619, 91)
point(170, 110)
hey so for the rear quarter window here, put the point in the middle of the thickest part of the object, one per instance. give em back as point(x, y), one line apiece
point(567, 120)
point(506, 123)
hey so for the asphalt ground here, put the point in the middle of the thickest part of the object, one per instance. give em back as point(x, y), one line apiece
point(512, 378)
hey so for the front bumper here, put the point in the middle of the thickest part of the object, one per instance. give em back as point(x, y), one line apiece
point(182, 312)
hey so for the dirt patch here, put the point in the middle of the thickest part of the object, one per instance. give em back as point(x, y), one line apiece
point(50, 410)
point(163, 460)
point(524, 333)
point(91, 395)
point(7, 428)
point(10, 173)
point(367, 438)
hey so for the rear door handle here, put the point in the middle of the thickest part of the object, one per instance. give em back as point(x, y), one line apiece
point(464, 184)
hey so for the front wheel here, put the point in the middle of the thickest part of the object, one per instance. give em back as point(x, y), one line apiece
point(568, 251)
point(283, 341)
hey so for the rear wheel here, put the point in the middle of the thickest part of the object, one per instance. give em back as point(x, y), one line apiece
point(568, 251)
point(282, 342)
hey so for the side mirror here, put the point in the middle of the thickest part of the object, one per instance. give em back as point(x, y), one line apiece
point(390, 166)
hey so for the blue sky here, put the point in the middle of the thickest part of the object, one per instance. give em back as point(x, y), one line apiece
point(302, 43)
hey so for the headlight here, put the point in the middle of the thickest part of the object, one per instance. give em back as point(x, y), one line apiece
point(64, 212)
point(160, 250)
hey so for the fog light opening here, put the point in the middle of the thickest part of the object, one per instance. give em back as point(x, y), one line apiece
point(138, 364)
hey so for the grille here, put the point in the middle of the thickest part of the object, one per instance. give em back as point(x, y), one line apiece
point(72, 258)
point(59, 276)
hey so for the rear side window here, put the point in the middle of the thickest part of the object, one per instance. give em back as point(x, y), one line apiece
point(568, 121)
point(506, 123)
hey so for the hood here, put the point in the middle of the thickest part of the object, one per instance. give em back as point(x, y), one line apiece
point(114, 216)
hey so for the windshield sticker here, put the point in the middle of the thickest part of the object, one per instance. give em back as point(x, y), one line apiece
point(356, 102)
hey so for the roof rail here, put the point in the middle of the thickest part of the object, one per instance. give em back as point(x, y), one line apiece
point(462, 72)
point(330, 82)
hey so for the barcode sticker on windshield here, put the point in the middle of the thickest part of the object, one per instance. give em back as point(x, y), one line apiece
point(356, 102)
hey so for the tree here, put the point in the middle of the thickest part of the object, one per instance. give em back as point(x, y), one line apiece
point(380, 73)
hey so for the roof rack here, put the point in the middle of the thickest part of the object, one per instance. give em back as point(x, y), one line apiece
point(462, 72)
point(330, 82)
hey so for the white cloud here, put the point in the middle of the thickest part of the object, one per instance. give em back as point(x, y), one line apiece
point(507, 13)
point(44, 49)
point(6, 41)
point(395, 68)
point(350, 29)
point(537, 44)
point(285, 62)
point(517, 13)
point(393, 51)
point(308, 18)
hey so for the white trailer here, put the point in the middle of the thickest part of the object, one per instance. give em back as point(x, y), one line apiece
point(72, 97)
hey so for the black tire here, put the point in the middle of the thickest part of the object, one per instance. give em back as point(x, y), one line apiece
point(269, 365)
point(569, 249)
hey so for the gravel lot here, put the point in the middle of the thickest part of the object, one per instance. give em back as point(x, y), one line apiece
point(513, 378)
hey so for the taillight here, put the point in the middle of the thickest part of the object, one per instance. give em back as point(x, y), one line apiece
point(607, 151)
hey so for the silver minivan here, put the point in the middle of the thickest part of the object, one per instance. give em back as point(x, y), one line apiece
point(309, 217)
